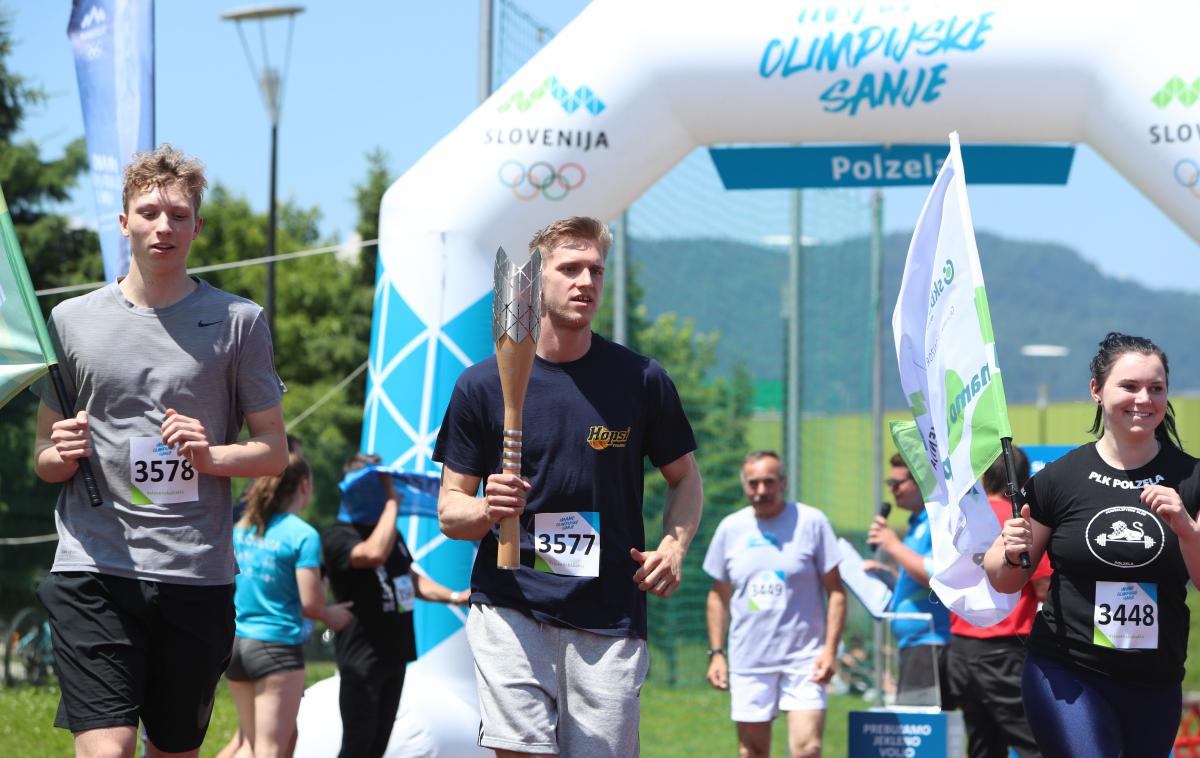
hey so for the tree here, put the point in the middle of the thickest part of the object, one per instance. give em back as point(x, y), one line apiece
point(57, 252)
point(369, 197)
point(322, 326)
point(719, 409)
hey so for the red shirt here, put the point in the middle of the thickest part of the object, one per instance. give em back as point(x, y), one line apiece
point(1020, 621)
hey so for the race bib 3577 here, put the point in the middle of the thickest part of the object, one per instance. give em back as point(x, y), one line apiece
point(567, 543)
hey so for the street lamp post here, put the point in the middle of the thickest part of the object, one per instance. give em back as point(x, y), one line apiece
point(270, 82)
point(1043, 387)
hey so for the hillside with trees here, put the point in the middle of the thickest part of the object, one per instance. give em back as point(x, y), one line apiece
point(1038, 293)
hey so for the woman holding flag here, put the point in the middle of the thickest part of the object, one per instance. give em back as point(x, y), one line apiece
point(1117, 516)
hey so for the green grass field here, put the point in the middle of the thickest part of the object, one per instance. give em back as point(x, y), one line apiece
point(682, 721)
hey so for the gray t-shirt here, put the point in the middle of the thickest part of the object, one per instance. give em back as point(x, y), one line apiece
point(775, 565)
point(209, 357)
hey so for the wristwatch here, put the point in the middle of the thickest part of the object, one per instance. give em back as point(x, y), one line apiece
point(454, 597)
point(715, 651)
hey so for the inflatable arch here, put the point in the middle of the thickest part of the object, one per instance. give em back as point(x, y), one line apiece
point(630, 88)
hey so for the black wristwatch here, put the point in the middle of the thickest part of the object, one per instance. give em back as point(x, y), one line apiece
point(715, 651)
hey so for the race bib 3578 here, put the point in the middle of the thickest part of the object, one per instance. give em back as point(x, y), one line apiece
point(158, 475)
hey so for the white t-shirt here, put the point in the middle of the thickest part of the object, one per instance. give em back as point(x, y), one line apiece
point(777, 610)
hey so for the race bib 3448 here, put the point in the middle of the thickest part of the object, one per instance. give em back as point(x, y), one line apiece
point(1126, 615)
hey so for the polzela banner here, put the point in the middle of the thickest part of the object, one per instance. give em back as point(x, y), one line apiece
point(951, 379)
point(25, 349)
point(113, 42)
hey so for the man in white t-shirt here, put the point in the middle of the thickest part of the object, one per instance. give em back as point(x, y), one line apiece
point(773, 564)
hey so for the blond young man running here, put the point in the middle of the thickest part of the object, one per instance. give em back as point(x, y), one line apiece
point(162, 370)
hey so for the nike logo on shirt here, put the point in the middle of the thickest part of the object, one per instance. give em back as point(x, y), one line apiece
point(201, 324)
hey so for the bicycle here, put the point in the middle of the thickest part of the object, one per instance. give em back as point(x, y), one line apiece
point(28, 651)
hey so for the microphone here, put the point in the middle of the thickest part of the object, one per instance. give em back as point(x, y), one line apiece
point(884, 509)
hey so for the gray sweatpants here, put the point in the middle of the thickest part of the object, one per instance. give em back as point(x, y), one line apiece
point(551, 690)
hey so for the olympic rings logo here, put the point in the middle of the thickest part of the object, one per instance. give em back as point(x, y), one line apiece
point(1187, 173)
point(541, 178)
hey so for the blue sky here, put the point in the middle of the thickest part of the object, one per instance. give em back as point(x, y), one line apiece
point(400, 75)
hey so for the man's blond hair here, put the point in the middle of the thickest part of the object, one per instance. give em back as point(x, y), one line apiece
point(578, 228)
point(162, 167)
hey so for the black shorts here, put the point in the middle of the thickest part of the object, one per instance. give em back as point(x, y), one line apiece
point(254, 659)
point(127, 649)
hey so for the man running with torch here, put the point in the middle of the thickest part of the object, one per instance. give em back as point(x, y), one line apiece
point(593, 410)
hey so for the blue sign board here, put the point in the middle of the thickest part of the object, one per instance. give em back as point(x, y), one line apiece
point(905, 734)
point(886, 165)
point(1040, 455)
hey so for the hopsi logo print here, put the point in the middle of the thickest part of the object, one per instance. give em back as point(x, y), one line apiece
point(541, 178)
point(583, 97)
point(600, 437)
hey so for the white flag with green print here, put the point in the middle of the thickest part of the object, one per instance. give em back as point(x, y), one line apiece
point(948, 369)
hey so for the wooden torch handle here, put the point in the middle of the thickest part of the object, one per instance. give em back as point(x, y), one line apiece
point(515, 362)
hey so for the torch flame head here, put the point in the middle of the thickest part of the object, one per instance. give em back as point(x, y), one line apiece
point(517, 298)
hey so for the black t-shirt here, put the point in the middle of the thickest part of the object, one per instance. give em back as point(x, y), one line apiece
point(381, 632)
point(1101, 533)
point(588, 425)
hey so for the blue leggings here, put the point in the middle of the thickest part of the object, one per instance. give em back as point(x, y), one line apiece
point(1077, 714)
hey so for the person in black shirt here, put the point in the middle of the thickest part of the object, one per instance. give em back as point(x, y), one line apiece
point(569, 625)
point(369, 565)
point(1117, 517)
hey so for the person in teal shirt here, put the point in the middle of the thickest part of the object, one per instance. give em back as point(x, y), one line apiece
point(279, 585)
point(918, 644)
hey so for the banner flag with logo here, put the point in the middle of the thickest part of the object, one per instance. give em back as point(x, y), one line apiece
point(25, 349)
point(947, 358)
point(113, 42)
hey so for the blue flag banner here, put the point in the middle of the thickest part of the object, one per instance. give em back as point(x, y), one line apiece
point(113, 41)
point(363, 495)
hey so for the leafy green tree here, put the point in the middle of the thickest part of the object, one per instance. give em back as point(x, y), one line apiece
point(322, 326)
point(57, 252)
point(719, 410)
point(368, 196)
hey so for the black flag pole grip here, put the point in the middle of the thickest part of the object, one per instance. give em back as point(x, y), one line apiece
point(85, 465)
point(1010, 469)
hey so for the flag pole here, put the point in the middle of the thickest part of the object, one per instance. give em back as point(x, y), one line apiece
point(1010, 470)
point(85, 465)
point(11, 250)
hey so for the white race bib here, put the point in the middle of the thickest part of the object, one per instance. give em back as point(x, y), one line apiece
point(403, 586)
point(567, 543)
point(1126, 615)
point(158, 475)
point(766, 591)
